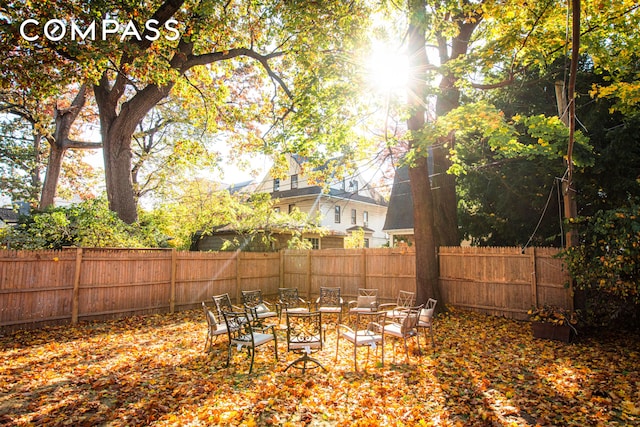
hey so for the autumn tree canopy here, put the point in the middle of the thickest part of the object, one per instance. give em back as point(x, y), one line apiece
point(262, 69)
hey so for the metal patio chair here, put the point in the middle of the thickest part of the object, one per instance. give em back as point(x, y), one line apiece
point(242, 334)
point(367, 331)
point(214, 327)
point(425, 320)
point(330, 302)
point(304, 336)
point(289, 301)
point(253, 303)
point(404, 328)
point(396, 310)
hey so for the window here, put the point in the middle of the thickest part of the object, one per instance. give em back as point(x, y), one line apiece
point(276, 184)
point(294, 181)
point(292, 207)
point(366, 243)
point(365, 218)
point(276, 209)
point(337, 215)
point(354, 216)
point(315, 242)
point(353, 186)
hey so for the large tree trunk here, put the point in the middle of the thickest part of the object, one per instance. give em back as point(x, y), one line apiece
point(445, 199)
point(117, 129)
point(54, 165)
point(423, 212)
point(59, 145)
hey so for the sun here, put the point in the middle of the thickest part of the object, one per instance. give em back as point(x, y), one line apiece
point(387, 69)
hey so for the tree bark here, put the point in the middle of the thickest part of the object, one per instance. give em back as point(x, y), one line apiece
point(117, 131)
point(60, 143)
point(423, 212)
point(445, 199)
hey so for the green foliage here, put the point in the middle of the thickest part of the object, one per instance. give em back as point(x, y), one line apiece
point(608, 257)
point(202, 207)
point(87, 224)
point(355, 239)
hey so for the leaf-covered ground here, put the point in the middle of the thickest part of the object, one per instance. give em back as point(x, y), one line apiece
point(153, 371)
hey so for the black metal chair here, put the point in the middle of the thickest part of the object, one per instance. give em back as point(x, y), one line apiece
point(330, 302)
point(223, 303)
point(289, 301)
point(253, 303)
point(242, 334)
point(304, 336)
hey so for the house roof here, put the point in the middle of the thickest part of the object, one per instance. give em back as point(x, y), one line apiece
point(8, 215)
point(400, 210)
point(317, 190)
point(359, 227)
point(242, 186)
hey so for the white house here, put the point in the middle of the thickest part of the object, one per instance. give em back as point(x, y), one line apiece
point(346, 205)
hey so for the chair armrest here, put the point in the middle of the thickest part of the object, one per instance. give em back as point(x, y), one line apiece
point(351, 304)
point(387, 306)
point(375, 327)
point(344, 327)
point(264, 329)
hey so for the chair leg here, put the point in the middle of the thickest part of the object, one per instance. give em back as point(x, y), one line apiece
point(253, 354)
point(228, 355)
point(304, 360)
point(207, 344)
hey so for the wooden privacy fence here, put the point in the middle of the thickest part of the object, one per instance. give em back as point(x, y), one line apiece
point(84, 284)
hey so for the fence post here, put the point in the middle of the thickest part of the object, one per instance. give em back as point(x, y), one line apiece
point(534, 278)
point(364, 268)
point(238, 278)
point(308, 272)
point(172, 292)
point(76, 287)
point(281, 268)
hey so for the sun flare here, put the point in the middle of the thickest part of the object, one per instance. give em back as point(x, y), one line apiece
point(388, 69)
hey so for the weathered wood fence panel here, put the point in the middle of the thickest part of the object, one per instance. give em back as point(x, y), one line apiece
point(117, 282)
point(502, 281)
point(79, 284)
point(36, 286)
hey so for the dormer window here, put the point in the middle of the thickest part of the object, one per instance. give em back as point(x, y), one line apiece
point(294, 181)
point(276, 184)
point(353, 186)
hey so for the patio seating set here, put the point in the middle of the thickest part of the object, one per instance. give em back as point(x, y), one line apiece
point(255, 323)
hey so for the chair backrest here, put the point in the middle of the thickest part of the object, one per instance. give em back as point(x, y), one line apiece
point(289, 296)
point(252, 298)
point(410, 321)
point(367, 298)
point(329, 297)
point(223, 303)
point(370, 322)
point(238, 326)
point(212, 322)
point(426, 314)
point(406, 299)
point(304, 330)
